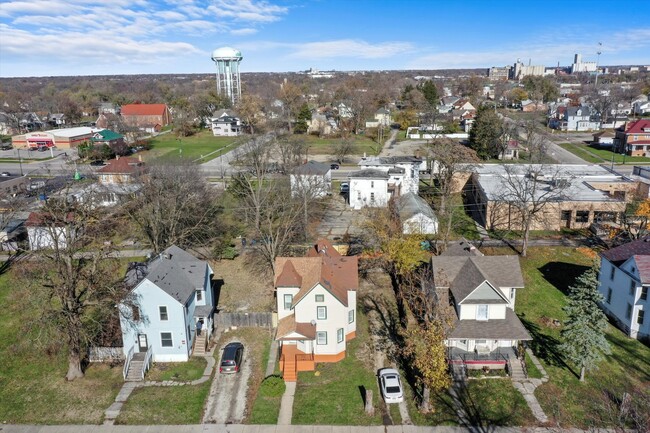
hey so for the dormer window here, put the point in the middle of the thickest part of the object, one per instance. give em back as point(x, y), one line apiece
point(482, 312)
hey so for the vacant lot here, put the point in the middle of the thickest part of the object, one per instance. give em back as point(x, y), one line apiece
point(327, 146)
point(202, 145)
point(548, 273)
point(241, 287)
point(32, 385)
point(597, 155)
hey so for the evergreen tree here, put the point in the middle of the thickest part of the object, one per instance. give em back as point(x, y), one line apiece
point(584, 341)
point(486, 133)
point(304, 116)
point(430, 93)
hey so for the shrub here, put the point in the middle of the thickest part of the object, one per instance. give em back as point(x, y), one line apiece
point(272, 386)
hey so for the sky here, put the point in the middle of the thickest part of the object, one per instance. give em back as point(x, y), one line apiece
point(115, 37)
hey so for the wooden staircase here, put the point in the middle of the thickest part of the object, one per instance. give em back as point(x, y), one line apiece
point(289, 372)
point(200, 345)
point(135, 367)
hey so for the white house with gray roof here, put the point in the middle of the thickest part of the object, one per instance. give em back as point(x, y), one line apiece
point(312, 178)
point(416, 215)
point(171, 294)
point(482, 290)
point(382, 178)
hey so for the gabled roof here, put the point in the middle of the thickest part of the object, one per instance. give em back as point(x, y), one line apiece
point(509, 328)
point(643, 266)
point(462, 248)
point(143, 109)
point(106, 135)
point(411, 204)
point(177, 272)
point(325, 266)
point(638, 127)
point(40, 219)
point(312, 168)
point(289, 277)
point(621, 253)
point(463, 274)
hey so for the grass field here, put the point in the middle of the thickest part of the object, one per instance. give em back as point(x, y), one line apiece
point(548, 272)
point(33, 389)
point(165, 405)
point(180, 371)
point(326, 146)
point(334, 396)
point(598, 156)
point(202, 145)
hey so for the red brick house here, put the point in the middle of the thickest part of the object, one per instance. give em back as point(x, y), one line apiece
point(148, 117)
point(634, 138)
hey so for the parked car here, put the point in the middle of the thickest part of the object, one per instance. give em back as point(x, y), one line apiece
point(345, 187)
point(231, 359)
point(391, 385)
point(5, 174)
point(42, 148)
point(334, 166)
point(6, 146)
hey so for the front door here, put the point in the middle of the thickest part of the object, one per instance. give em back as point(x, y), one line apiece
point(142, 342)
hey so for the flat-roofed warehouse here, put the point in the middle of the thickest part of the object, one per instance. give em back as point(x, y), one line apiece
point(66, 138)
point(589, 193)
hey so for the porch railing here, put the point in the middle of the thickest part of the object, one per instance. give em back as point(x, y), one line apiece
point(127, 363)
point(467, 357)
point(147, 362)
point(304, 357)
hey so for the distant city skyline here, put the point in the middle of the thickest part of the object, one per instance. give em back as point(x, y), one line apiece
point(96, 37)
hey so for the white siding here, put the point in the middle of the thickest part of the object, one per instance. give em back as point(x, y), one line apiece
point(420, 224)
point(362, 190)
point(281, 291)
point(337, 317)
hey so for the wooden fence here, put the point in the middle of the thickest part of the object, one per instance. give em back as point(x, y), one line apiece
point(260, 320)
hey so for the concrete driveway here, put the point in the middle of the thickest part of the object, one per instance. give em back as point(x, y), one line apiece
point(340, 219)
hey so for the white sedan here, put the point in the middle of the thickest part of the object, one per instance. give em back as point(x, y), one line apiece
point(391, 385)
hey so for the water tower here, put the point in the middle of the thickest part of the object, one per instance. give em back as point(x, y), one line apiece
point(228, 83)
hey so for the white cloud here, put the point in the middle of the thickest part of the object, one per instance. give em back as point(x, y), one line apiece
point(349, 48)
point(243, 32)
point(247, 10)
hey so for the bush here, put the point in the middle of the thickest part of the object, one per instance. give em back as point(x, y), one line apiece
point(272, 386)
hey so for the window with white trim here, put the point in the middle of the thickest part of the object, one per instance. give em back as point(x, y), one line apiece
point(482, 312)
point(321, 338)
point(321, 313)
point(163, 312)
point(288, 300)
point(351, 316)
point(166, 339)
point(339, 335)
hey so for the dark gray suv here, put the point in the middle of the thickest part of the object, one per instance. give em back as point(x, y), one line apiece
point(231, 359)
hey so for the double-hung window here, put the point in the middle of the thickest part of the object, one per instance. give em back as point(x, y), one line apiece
point(339, 335)
point(321, 313)
point(321, 338)
point(163, 313)
point(166, 339)
point(288, 300)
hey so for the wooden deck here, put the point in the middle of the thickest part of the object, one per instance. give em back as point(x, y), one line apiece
point(293, 360)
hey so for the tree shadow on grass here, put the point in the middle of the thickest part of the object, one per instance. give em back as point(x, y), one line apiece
point(546, 346)
point(477, 418)
point(561, 274)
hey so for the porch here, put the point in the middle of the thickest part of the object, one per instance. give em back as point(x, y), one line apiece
point(477, 359)
point(293, 360)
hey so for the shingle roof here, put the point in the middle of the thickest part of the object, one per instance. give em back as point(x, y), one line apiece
point(643, 265)
point(106, 135)
point(177, 272)
point(638, 126)
point(621, 253)
point(288, 325)
point(389, 160)
point(411, 204)
point(143, 109)
point(312, 167)
point(288, 277)
point(337, 274)
point(509, 328)
point(369, 173)
point(462, 248)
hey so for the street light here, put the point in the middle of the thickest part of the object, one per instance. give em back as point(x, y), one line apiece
point(600, 44)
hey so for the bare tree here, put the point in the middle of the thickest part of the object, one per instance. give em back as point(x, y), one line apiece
point(76, 282)
point(249, 108)
point(291, 96)
point(176, 206)
point(343, 148)
point(527, 191)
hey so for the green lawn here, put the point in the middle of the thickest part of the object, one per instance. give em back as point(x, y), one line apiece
point(165, 405)
point(33, 389)
point(179, 371)
point(202, 144)
point(597, 155)
point(265, 408)
point(325, 146)
point(334, 396)
point(491, 402)
point(548, 272)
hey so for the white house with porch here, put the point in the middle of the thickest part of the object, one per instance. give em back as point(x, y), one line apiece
point(171, 294)
point(482, 290)
point(316, 306)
